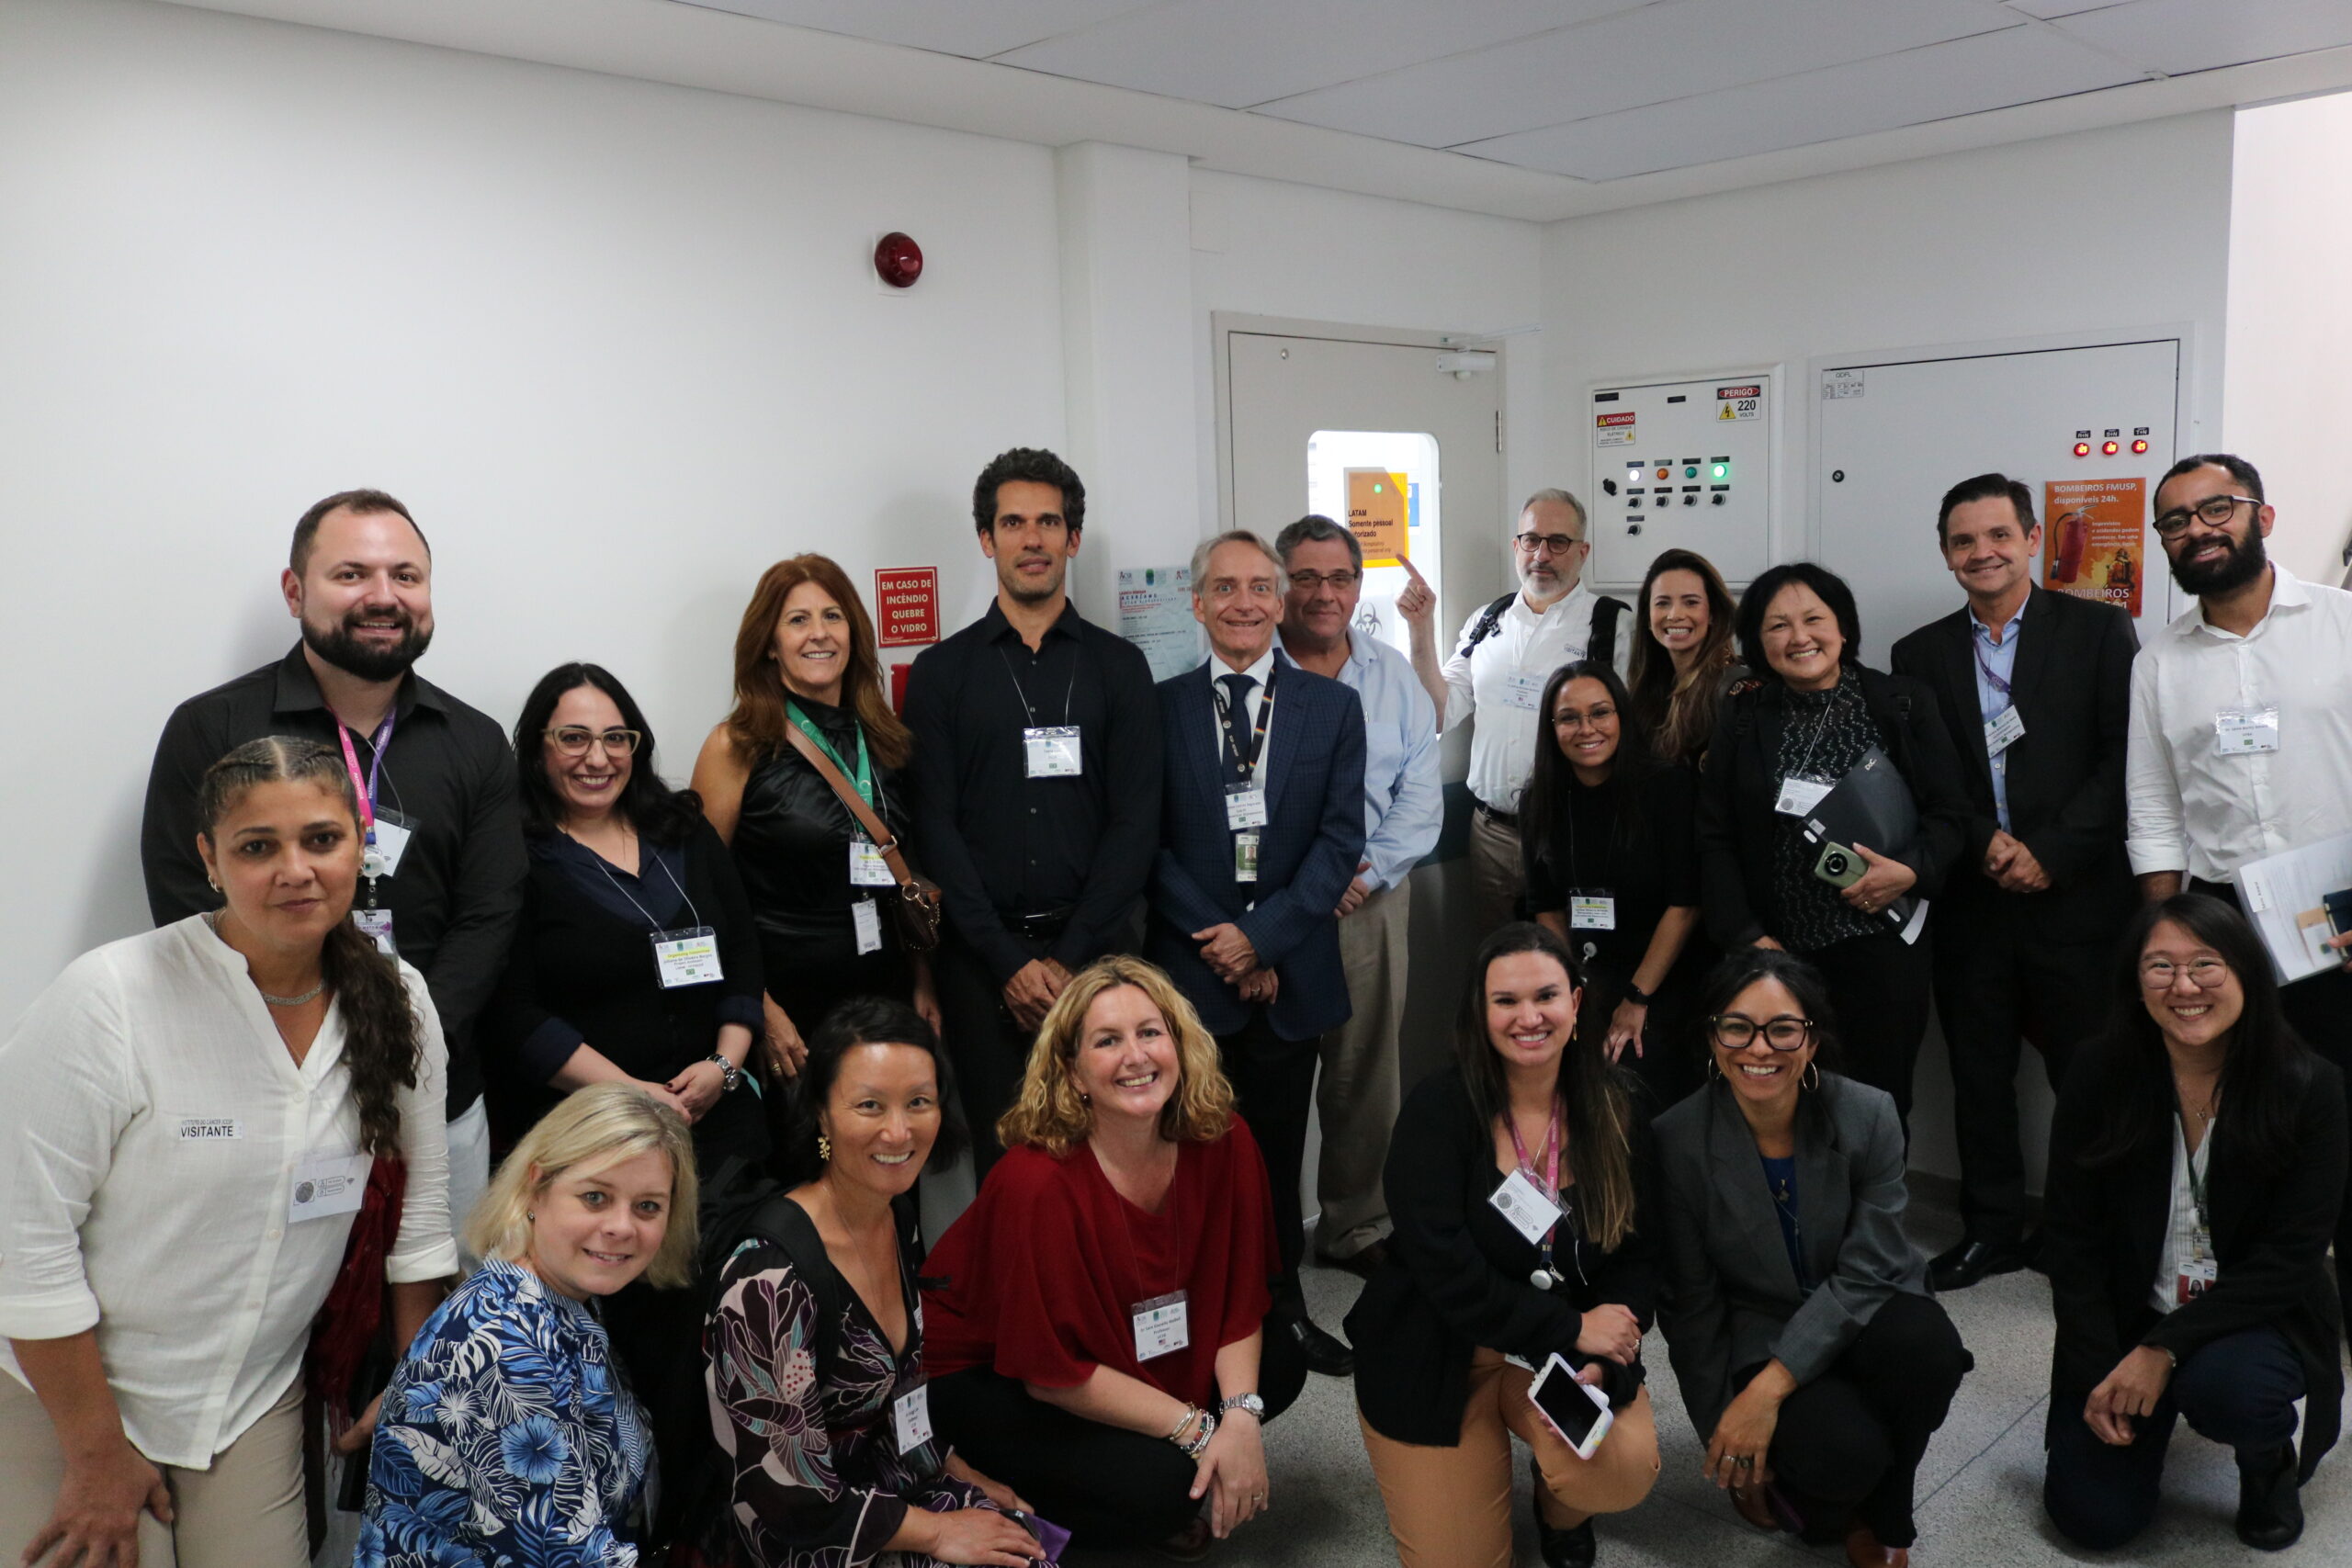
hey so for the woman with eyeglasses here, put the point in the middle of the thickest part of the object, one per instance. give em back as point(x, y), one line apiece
point(2196, 1161)
point(635, 961)
point(1814, 1361)
point(1613, 869)
point(1683, 659)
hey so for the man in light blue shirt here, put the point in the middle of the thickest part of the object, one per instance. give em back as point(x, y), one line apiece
point(1357, 1094)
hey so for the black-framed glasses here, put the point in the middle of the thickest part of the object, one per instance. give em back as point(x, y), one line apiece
point(2205, 974)
point(573, 740)
point(1539, 543)
point(1784, 1032)
point(2214, 511)
point(1314, 581)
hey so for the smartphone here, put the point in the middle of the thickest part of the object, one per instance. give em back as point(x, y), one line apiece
point(2340, 911)
point(1052, 1539)
point(1579, 1412)
point(1839, 866)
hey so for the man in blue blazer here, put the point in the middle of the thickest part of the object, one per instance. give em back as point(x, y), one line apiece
point(1261, 825)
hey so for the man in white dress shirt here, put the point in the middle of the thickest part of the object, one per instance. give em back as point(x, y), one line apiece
point(1507, 650)
point(2242, 726)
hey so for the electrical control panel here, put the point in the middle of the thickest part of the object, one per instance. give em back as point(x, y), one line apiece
point(1682, 464)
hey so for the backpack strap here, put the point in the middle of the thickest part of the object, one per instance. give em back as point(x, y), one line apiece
point(1488, 619)
point(1602, 645)
point(786, 1226)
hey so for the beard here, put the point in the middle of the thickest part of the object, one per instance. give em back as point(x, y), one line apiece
point(338, 647)
point(1026, 592)
point(2241, 565)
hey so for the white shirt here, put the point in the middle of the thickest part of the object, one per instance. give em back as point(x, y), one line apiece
point(1259, 674)
point(1503, 679)
point(2180, 1229)
point(150, 1124)
point(2192, 809)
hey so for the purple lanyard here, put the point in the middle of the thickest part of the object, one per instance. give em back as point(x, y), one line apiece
point(1978, 647)
point(366, 788)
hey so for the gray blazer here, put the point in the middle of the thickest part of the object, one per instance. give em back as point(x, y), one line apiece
point(1730, 1300)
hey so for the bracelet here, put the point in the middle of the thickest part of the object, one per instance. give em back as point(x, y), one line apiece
point(734, 1073)
point(1208, 1429)
point(1635, 993)
point(1177, 1431)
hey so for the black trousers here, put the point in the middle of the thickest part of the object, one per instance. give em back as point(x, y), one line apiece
point(1853, 1439)
point(1881, 985)
point(990, 1051)
point(2240, 1390)
point(1997, 982)
point(1108, 1486)
point(1274, 1082)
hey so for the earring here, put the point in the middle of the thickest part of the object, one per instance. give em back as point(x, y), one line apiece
point(1085, 1099)
point(824, 1147)
point(530, 1215)
point(1813, 1078)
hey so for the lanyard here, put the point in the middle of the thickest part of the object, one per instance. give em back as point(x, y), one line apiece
point(1576, 881)
point(863, 772)
point(2000, 685)
point(1024, 696)
point(652, 924)
point(2196, 1175)
point(1249, 764)
point(366, 788)
point(1551, 1168)
point(1821, 727)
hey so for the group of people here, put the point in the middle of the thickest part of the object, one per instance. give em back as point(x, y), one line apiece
point(712, 1038)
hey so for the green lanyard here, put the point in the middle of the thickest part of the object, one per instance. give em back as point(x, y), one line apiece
point(863, 772)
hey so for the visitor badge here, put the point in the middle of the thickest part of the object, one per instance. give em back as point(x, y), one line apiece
point(378, 924)
point(1245, 857)
point(327, 1185)
point(1592, 911)
point(1521, 1202)
point(1800, 795)
point(867, 867)
point(2196, 1277)
point(392, 842)
point(1161, 1326)
point(687, 956)
point(911, 1414)
point(2237, 732)
point(1245, 807)
point(1523, 690)
point(866, 918)
point(2002, 730)
point(1052, 751)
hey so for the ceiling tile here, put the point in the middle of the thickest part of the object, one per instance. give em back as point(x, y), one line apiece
point(1242, 52)
point(1671, 50)
point(1966, 76)
point(974, 29)
point(2180, 36)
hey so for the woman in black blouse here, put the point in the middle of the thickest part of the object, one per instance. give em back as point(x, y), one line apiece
point(1613, 869)
point(804, 659)
point(1464, 1287)
point(1783, 741)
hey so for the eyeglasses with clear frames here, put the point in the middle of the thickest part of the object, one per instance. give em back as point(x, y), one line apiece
point(1735, 1030)
point(2158, 973)
point(1547, 543)
point(573, 742)
point(2214, 512)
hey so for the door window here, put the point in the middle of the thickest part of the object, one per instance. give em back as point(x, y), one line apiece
point(1367, 480)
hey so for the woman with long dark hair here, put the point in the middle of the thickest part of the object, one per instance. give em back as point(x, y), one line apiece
point(1683, 659)
point(2196, 1161)
point(1814, 1361)
point(1525, 1108)
point(1608, 843)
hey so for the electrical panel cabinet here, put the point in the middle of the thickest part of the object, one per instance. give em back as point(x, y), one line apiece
point(1684, 464)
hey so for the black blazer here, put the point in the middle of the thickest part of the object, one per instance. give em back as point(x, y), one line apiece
point(2073, 687)
point(1456, 1277)
point(2104, 1235)
point(1740, 782)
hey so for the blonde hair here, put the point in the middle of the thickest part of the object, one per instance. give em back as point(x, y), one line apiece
point(1049, 1114)
point(590, 1130)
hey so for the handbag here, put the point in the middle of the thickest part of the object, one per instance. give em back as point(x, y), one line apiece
point(916, 910)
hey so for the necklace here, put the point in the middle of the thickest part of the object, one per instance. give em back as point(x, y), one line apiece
point(2204, 1112)
point(310, 995)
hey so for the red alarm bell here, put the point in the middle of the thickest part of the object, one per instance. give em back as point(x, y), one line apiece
point(898, 259)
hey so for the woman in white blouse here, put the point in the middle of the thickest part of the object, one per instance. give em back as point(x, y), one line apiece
point(187, 1123)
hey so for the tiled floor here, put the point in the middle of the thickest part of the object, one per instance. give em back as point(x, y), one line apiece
point(1979, 1488)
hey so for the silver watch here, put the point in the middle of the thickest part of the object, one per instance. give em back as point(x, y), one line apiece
point(730, 1075)
point(1249, 1403)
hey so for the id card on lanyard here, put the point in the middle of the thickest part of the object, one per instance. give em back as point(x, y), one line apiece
point(385, 839)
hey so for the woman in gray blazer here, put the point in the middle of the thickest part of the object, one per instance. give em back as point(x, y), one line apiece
point(1811, 1356)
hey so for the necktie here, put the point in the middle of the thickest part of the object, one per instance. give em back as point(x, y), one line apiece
point(1236, 724)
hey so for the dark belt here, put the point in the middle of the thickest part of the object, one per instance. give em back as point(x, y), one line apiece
point(1049, 924)
point(1501, 819)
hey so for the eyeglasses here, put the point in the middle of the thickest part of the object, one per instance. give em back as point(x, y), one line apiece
point(1734, 1031)
point(2215, 510)
point(573, 740)
point(1314, 581)
point(1541, 544)
point(1226, 588)
point(2157, 973)
point(1570, 719)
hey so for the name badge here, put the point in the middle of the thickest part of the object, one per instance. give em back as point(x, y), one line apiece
point(1162, 1327)
point(2197, 1276)
point(1592, 911)
point(1052, 751)
point(868, 868)
point(1245, 857)
point(866, 918)
point(1521, 1202)
point(1523, 689)
point(327, 1185)
point(378, 924)
point(1245, 807)
point(207, 1129)
point(2003, 730)
point(2239, 732)
point(911, 1414)
point(688, 957)
point(393, 834)
point(1799, 797)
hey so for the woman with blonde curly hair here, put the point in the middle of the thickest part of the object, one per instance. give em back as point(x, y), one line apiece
point(1097, 1337)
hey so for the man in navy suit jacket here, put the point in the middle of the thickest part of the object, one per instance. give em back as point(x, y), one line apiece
point(1261, 825)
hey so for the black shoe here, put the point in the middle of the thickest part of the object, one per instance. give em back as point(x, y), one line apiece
point(2270, 1506)
point(1325, 1353)
point(1562, 1549)
point(1975, 1261)
point(1362, 1264)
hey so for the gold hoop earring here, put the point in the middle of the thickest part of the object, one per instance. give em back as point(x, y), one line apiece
point(824, 1148)
point(1813, 1068)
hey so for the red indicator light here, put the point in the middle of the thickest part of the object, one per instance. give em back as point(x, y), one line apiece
point(2139, 447)
point(2082, 448)
point(2112, 448)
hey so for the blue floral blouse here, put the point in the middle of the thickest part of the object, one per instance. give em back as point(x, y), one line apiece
point(507, 1438)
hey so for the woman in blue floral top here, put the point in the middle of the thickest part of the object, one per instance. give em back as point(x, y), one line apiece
point(507, 1436)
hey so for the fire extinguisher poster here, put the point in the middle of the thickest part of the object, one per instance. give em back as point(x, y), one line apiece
point(2093, 540)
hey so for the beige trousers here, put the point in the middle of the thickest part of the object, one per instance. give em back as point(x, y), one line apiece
point(1450, 1507)
point(245, 1511)
point(1497, 879)
point(1357, 1094)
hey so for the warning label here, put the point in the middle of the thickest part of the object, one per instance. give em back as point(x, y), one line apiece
point(1613, 429)
point(906, 601)
point(1740, 402)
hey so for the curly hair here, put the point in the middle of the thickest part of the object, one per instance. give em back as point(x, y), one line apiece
point(380, 1031)
point(1050, 1114)
point(1036, 465)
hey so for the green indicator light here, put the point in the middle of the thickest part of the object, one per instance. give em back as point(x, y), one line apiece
point(1692, 472)
point(1723, 470)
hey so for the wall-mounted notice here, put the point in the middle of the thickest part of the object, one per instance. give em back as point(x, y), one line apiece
point(2095, 540)
point(906, 605)
point(1156, 614)
point(1377, 515)
point(1743, 402)
point(1613, 429)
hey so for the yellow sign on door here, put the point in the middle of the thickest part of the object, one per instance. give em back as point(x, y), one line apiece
point(1377, 515)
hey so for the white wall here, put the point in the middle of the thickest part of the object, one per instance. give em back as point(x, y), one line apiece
point(2287, 398)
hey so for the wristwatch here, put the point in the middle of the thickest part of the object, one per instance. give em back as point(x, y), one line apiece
point(1249, 1403)
point(734, 1075)
point(1636, 994)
